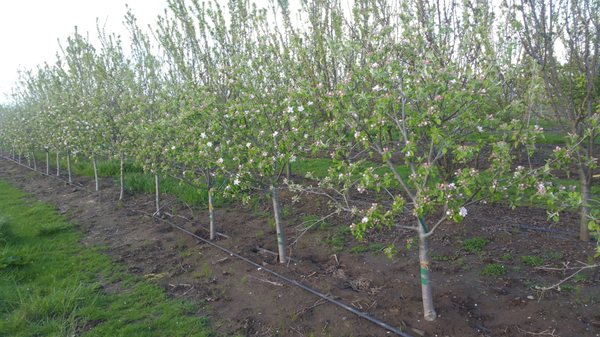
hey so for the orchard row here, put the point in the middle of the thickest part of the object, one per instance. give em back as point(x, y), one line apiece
point(427, 103)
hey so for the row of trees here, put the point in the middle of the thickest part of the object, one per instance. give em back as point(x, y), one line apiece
point(426, 103)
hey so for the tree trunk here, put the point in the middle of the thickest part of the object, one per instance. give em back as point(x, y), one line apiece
point(34, 161)
point(28, 160)
point(211, 213)
point(69, 166)
point(47, 162)
point(57, 164)
point(278, 225)
point(122, 176)
point(288, 170)
point(585, 180)
point(19, 157)
point(95, 165)
point(157, 193)
point(428, 309)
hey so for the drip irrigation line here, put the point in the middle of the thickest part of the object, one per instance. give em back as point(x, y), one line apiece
point(88, 189)
point(555, 233)
point(291, 281)
point(44, 174)
point(541, 229)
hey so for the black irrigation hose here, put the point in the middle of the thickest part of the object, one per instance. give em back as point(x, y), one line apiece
point(555, 233)
point(294, 282)
point(282, 277)
point(44, 174)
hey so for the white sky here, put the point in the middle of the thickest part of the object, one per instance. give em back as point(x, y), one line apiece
point(30, 29)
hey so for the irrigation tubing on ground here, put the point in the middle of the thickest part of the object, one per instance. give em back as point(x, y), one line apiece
point(272, 272)
point(44, 174)
point(293, 282)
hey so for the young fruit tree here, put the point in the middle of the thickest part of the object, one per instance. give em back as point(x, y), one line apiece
point(563, 39)
point(194, 41)
point(80, 62)
point(418, 98)
point(265, 123)
point(154, 137)
point(115, 81)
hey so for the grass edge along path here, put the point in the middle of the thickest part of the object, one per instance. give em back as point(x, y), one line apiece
point(51, 285)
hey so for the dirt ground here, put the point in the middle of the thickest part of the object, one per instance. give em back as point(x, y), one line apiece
point(242, 300)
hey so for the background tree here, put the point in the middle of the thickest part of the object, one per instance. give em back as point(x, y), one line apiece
point(115, 79)
point(563, 39)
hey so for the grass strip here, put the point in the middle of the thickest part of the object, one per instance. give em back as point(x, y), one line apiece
point(51, 285)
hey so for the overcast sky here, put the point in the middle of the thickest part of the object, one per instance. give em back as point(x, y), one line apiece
point(29, 29)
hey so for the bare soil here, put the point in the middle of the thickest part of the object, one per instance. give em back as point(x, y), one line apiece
point(242, 300)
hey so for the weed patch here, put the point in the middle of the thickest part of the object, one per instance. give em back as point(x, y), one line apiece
point(493, 269)
point(475, 244)
point(533, 261)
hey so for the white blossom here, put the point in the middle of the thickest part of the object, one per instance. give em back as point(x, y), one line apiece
point(365, 220)
point(541, 188)
point(463, 212)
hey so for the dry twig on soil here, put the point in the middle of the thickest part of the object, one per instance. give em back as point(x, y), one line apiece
point(541, 333)
point(564, 269)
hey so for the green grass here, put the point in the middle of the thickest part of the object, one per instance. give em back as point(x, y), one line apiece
point(83, 166)
point(493, 269)
point(337, 238)
point(441, 257)
point(50, 284)
point(532, 260)
point(554, 255)
point(315, 222)
point(359, 249)
point(475, 244)
point(141, 182)
point(552, 138)
point(319, 167)
point(136, 180)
